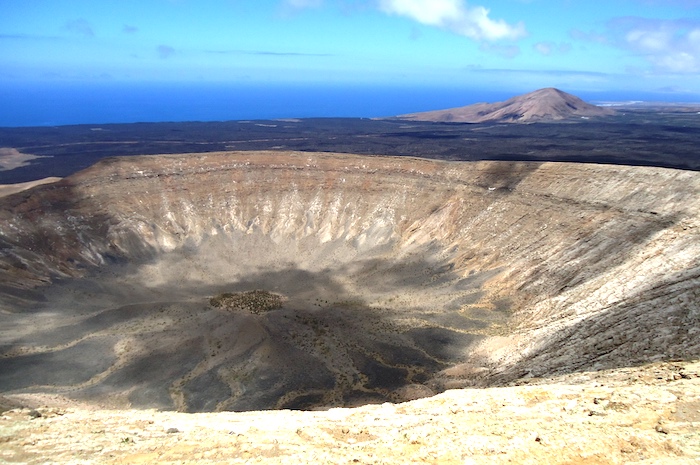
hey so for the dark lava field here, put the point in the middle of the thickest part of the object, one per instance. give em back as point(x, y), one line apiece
point(638, 135)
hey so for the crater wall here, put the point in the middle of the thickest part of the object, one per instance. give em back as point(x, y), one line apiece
point(399, 277)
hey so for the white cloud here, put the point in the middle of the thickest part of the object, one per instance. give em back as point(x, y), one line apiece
point(165, 51)
point(677, 62)
point(80, 26)
point(669, 45)
point(682, 3)
point(550, 48)
point(453, 15)
point(506, 51)
point(578, 34)
point(456, 16)
point(543, 48)
point(300, 4)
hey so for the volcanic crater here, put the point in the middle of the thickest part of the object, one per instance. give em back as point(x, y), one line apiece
point(267, 280)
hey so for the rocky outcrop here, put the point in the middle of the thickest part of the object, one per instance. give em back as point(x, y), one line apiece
point(541, 105)
point(397, 277)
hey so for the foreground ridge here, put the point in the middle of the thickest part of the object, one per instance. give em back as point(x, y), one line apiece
point(640, 415)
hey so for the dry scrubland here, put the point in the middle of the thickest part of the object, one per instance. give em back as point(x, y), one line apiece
point(379, 279)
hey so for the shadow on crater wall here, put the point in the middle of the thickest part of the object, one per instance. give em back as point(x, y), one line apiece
point(660, 325)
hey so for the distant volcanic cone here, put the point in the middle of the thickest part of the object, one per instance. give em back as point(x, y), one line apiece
point(541, 105)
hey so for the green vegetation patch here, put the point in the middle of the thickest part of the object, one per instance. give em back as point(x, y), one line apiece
point(257, 301)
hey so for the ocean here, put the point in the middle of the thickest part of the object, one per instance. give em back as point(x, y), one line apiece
point(70, 103)
point(54, 104)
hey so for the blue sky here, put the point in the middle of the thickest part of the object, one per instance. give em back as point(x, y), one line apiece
point(631, 45)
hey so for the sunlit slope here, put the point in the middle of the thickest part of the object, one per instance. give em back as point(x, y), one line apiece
point(547, 104)
point(397, 277)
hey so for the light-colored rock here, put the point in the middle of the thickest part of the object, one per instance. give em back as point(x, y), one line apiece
point(7, 189)
point(394, 271)
point(651, 422)
point(11, 158)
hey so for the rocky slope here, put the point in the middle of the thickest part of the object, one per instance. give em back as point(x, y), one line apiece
point(541, 105)
point(390, 278)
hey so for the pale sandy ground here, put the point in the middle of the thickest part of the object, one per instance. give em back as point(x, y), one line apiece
point(11, 158)
point(8, 189)
point(648, 415)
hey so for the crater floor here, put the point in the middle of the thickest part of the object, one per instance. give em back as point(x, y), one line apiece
point(398, 278)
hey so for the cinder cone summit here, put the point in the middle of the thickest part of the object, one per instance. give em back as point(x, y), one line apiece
point(548, 104)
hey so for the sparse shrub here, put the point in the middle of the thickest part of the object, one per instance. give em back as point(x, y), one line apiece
point(257, 301)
